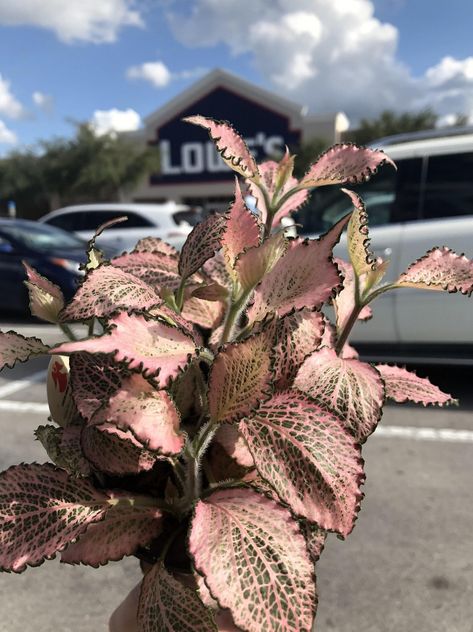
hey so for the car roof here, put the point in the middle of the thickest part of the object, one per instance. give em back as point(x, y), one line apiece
point(427, 143)
point(8, 221)
point(148, 210)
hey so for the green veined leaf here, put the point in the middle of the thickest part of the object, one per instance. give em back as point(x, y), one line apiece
point(361, 257)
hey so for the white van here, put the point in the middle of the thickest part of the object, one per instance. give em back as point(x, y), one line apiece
point(427, 202)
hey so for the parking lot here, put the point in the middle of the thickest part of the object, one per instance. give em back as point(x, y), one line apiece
point(407, 567)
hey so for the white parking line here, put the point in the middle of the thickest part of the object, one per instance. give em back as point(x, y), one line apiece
point(424, 434)
point(19, 385)
point(24, 407)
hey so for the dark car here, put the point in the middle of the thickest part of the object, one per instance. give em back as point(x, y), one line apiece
point(54, 253)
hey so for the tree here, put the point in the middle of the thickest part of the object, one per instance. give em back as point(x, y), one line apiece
point(85, 168)
point(389, 123)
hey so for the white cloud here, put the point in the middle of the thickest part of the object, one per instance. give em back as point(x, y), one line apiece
point(159, 75)
point(9, 105)
point(112, 121)
point(7, 137)
point(155, 72)
point(97, 21)
point(44, 101)
point(329, 54)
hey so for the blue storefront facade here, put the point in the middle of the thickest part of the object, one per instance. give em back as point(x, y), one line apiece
point(191, 170)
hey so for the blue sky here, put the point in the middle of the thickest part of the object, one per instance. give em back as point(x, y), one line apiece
point(113, 62)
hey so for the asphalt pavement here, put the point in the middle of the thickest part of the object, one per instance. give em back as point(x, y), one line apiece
point(407, 566)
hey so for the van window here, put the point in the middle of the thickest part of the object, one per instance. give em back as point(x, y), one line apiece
point(449, 186)
point(68, 221)
point(390, 196)
point(93, 219)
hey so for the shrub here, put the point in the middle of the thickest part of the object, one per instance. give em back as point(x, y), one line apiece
point(211, 423)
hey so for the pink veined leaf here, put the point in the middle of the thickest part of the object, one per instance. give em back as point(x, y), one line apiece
point(211, 292)
point(329, 335)
point(106, 289)
point(254, 561)
point(402, 385)
point(345, 163)
point(439, 269)
point(148, 413)
point(124, 529)
point(46, 298)
point(240, 378)
point(216, 270)
point(344, 301)
point(230, 145)
point(295, 336)
point(158, 349)
point(64, 448)
point(310, 460)
point(168, 606)
point(351, 389)
point(254, 263)
point(270, 173)
point(304, 277)
point(361, 257)
point(155, 269)
point(201, 244)
point(234, 444)
point(155, 245)
point(115, 451)
point(187, 394)
point(242, 231)
point(42, 509)
point(349, 352)
point(168, 315)
point(315, 538)
point(206, 314)
point(94, 379)
point(16, 348)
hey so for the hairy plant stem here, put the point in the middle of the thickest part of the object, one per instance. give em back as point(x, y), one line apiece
point(342, 338)
point(234, 312)
point(194, 456)
point(180, 294)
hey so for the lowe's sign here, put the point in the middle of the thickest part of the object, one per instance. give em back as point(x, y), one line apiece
point(187, 154)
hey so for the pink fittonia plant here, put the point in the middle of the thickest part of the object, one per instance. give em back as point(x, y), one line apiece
point(211, 423)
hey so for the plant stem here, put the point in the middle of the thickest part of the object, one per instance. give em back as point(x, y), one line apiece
point(342, 338)
point(180, 294)
point(234, 312)
point(68, 331)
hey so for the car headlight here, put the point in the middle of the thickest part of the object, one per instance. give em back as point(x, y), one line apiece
point(69, 265)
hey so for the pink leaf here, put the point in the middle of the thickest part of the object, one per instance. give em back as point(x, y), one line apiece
point(254, 263)
point(308, 457)
point(201, 244)
point(150, 415)
point(234, 445)
point(242, 230)
point(46, 298)
point(271, 172)
point(121, 532)
point(254, 561)
point(94, 256)
point(230, 145)
point(155, 245)
point(345, 164)
point(295, 336)
point(344, 301)
point(352, 390)
point(206, 314)
point(216, 270)
point(105, 290)
point(115, 451)
point(186, 392)
point(440, 269)
point(168, 606)
point(212, 292)
point(315, 538)
point(292, 284)
point(155, 347)
point(402, 385)
point(240, 378)
point(361, 257)
point(42, 509)
point(15, 347)
point(168, 315)
point(94, 378)
point(155, 269)
point(64, 448)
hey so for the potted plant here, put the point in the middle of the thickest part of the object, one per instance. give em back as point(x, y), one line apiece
point(211, 421)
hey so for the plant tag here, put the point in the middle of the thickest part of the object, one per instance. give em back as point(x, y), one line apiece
point(60, 401)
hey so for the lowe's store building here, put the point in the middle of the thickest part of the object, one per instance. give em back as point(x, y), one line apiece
point(191, 170)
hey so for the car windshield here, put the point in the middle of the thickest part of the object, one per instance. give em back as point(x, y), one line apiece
point(41, 237)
